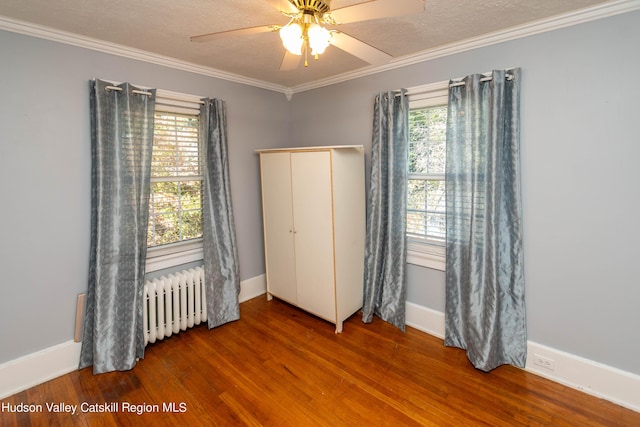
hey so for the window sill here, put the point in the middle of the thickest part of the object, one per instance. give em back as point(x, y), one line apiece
point(424, 255)
point(167, 256)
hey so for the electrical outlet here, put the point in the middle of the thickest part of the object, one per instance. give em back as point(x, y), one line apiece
point(545, 362)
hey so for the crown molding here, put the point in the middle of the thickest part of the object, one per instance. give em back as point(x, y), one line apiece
point(604, 10)
point(593, 13)
point(48, 33)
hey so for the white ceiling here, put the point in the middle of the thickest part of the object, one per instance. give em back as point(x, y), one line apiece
point(164, 27)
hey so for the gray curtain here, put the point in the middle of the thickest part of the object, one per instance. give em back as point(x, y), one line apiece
point(385, 283)
point(485, 307)
point(121, 144)
point(222, 276)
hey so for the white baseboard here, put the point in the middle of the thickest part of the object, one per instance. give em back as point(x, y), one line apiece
point(35, 368)
point(253, 287)
point(425, 319)
point(606, 382)
point(591, 377)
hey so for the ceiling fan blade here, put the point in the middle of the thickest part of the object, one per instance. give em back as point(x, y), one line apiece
point(238, 32)
point(359, 49)
point(290, 61)
point(376, 9)
point(283, 6)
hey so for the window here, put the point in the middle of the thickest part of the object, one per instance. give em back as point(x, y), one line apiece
point(426, 213)
point(174, 235)
point(175, 206)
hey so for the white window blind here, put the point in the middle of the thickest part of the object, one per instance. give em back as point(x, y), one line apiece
point(427, 153)
point(175, 208)
point(426, 207)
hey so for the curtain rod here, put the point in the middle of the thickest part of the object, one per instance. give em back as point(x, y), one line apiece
point(440, 88)
point(162, 99)
point(163, 94)
point(119, 89)
point(483, 79)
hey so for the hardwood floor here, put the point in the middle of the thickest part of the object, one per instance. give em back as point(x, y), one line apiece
point(279, 366)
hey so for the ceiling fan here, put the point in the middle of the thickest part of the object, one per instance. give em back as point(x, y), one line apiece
point(304, 33)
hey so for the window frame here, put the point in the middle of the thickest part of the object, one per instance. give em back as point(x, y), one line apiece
point(173, 254)
point(420, 251)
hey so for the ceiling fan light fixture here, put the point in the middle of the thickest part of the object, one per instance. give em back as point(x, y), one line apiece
point(303, 32)
point(292, 38)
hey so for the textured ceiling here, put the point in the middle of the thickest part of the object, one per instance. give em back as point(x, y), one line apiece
point(164, 27)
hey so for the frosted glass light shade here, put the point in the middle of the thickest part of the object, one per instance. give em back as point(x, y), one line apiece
point(292, 40)
point(319, 39)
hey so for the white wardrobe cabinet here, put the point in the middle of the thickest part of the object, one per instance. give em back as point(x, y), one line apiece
point(313, 206)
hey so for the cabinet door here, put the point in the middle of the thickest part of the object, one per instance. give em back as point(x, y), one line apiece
point(313, 220)
point(278, 225)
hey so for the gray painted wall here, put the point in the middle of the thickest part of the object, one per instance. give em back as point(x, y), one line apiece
point(580, 178)
point(45, 164)
point(580, 182)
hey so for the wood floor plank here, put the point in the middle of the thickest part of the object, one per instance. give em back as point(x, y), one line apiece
point(280, 366)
